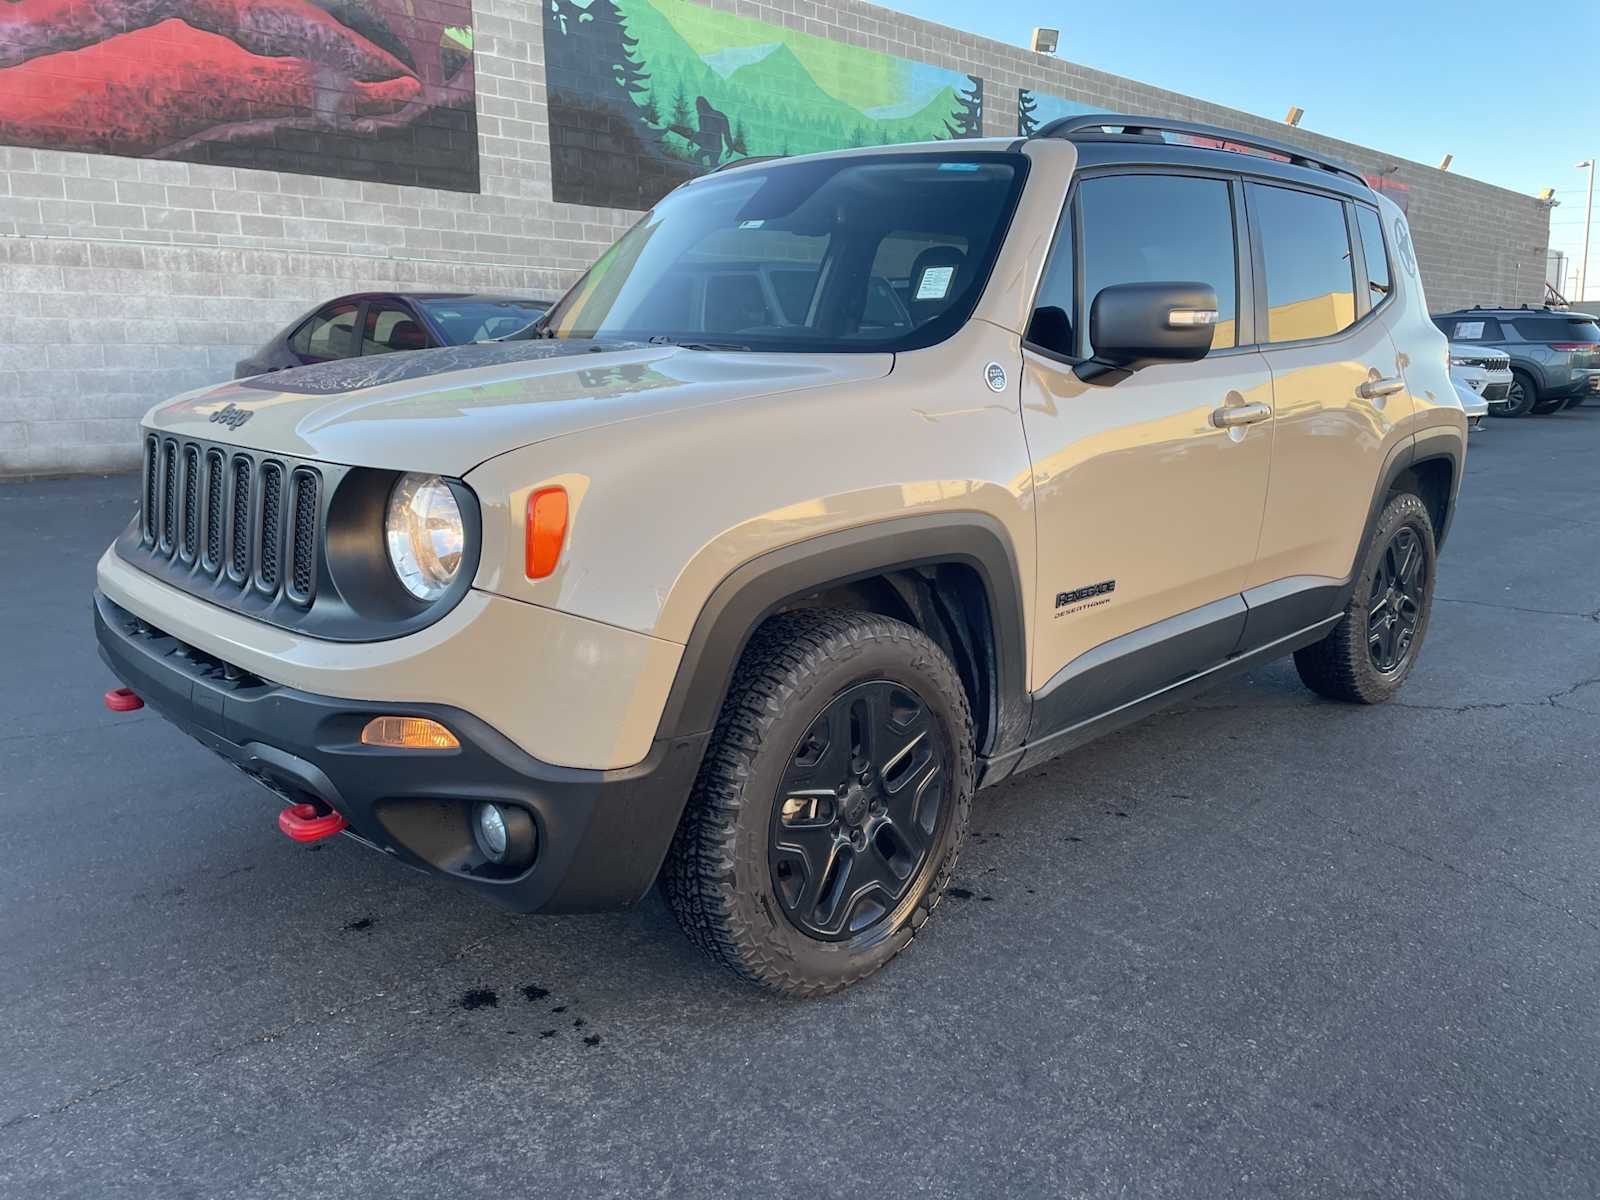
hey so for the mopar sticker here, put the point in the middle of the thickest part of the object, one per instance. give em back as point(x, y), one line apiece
point(995, 376)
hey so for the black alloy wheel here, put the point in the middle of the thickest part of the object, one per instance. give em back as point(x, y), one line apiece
point(1520, 397)
point(859, 810)
point(1395, 602)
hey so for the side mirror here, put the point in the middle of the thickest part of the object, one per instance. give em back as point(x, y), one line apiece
point(1137, 325)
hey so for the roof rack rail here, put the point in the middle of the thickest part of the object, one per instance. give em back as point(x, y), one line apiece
point(1094, 126)
point(745, 162)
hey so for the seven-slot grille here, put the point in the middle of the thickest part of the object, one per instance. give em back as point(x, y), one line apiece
point(234, 515)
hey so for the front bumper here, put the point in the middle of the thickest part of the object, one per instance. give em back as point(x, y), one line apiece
point(602, 834)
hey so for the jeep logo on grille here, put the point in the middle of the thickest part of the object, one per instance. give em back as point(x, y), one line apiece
point(232, 416)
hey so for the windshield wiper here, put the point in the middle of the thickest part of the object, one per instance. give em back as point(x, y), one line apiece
point(662, 339)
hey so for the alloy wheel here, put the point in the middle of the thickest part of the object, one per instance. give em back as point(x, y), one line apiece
point(860, 808)
point(1394, 607)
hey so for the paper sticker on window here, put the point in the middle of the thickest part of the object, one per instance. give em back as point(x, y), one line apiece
point(1469, 331)
point(752, 224)
point(935, 283)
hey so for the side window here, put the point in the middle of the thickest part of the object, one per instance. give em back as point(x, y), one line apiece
point(1158, 228)
point(390, 328)
point(329, 334)
point(1473, 329)
point(1311, 289)
point(1379, 282)
point(1050, 327)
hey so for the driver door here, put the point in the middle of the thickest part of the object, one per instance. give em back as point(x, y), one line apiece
point(1150, 492)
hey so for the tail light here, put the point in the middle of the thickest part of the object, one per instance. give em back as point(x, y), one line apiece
point(1575, 347)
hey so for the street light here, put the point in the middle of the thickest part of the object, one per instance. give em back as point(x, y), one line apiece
point(1588, 219)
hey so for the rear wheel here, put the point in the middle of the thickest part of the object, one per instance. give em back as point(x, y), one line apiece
point(1372, 650)
point(1520, 398)
point(832, 804)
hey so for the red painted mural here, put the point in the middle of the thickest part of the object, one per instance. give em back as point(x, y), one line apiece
point(367, 89)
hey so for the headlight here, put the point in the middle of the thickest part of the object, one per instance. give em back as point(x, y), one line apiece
point(1457, 361)
point(425, 534)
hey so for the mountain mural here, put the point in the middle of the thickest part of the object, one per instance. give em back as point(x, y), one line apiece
point(644, 94)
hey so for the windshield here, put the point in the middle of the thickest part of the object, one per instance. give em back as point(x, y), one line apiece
point(466, 321)
point(887, 252)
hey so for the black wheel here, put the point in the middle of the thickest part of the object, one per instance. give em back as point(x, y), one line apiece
point(1520, 397)
point(1368, 655)
point(1544, 405)
point(832, 804)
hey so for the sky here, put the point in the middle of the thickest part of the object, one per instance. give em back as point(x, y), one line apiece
point(1418, 78)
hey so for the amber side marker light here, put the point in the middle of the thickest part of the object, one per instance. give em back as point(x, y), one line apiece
point(547, 530)
point(408, 733)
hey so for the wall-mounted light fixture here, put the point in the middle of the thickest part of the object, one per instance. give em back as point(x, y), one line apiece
point(1444, 163)
point(1295, 113)
point(1045, 40)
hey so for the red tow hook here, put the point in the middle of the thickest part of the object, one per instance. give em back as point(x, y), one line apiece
point(123, 700)
point(309, 823)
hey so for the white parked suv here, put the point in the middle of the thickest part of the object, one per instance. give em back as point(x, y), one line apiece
point(1483, 372)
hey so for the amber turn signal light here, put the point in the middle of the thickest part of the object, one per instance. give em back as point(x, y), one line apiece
point(408, 733)
point(547, 530)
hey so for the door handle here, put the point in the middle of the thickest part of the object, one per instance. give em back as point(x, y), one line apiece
point(1231, 416)
point(1376, 389)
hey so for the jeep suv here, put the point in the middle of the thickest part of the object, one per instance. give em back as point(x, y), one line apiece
point(751, 606)
point(1555, 354)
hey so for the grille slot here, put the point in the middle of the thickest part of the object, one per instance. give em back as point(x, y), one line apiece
point(152, 489)
point(169, 495)
point(239, 524)
point(214, 479)
point(191, 502)
point(303, 556)
point(269, 572)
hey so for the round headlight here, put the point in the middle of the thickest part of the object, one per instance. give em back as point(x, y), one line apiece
point(425, 534)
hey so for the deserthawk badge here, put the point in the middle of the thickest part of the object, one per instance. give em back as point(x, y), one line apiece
point(232, 416)
point(995, 376)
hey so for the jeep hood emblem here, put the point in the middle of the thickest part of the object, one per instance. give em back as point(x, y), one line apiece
point(232, 416)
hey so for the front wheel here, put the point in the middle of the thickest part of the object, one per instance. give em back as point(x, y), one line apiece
point(1373, 648)
point(1520, 397)
point(833, 801)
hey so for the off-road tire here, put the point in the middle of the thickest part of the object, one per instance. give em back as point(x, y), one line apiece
point(717, 879)
point(1521, 397)
point(1340, 666)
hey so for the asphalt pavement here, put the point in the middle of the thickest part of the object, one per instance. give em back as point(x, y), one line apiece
point(1259, 945)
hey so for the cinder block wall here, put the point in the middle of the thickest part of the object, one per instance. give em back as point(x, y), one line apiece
point(124, 281)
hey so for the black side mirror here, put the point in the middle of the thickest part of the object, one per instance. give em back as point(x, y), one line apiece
point(1137, 325)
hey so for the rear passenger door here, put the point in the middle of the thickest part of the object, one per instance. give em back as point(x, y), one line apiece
point(1148, 496)
point(1338, 393)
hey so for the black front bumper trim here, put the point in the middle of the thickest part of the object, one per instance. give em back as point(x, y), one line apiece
point(602, 834)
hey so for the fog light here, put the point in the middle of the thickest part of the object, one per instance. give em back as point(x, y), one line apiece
point(504, 834)
point(408, 733)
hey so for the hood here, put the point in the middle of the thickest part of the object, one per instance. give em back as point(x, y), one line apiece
point(447, 410)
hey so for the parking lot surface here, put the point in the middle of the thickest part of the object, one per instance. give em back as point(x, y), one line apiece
point(1261, 944)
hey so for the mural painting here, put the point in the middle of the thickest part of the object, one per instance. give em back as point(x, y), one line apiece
point(361, 89)
point(645, 94)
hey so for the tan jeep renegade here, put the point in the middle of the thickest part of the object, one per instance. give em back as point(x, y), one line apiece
point(839, 487)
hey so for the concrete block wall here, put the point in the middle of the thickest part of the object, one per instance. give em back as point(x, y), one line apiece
point(125, 281)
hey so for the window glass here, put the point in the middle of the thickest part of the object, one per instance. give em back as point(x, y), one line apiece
point(468, 320)
point(329, 334)
point(874, 253)
point(390, 328)
point(1379, 281)
point(1311, 289)
point(1051, 326)
point(1557, 329)
point(1470, 329)
point(1154, 229)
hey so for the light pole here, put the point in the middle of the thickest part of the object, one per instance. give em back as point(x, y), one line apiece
point(1588, 219)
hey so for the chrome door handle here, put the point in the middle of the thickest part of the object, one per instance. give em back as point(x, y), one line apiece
point(1231, 416)
point(1375, 389)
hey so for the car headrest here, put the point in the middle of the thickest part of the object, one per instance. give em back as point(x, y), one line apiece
point(408, 335)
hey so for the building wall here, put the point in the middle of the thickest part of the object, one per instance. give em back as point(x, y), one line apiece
point(126, 279)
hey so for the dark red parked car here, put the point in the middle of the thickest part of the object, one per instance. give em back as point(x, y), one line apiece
point(384, 322)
